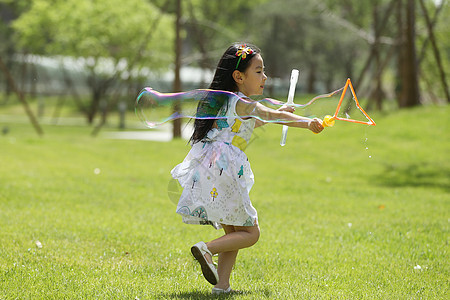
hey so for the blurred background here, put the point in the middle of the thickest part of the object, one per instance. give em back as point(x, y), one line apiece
point(90, 58)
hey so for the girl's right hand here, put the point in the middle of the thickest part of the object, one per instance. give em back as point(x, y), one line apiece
point(315, 125)
point(288, 108)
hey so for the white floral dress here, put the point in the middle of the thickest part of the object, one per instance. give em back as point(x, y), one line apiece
point(216, 176)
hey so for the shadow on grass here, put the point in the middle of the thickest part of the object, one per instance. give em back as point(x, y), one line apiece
point(207, 295)
point(420, 174)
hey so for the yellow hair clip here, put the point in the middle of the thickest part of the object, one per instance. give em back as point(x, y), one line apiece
point(242, 52)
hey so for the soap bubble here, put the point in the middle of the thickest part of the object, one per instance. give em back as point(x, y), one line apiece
point(154, 108)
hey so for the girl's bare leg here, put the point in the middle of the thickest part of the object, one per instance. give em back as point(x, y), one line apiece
point(226, 262)
point(235, 238)
point(241, 237)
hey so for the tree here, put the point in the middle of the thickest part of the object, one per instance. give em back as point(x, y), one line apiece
point(306, 38)
point(409, 86)
point(211, 26)
point(113, 39)
point(439, 61)
point(177, 82)
point(10, 10)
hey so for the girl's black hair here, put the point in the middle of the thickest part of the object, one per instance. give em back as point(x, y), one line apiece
point(223, 80)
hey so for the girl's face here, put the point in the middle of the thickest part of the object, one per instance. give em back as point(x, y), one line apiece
point(254, 78)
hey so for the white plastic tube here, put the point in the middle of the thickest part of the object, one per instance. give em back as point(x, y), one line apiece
point(290, 100)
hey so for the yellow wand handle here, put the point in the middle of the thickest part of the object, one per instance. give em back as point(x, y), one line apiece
point(328, 121)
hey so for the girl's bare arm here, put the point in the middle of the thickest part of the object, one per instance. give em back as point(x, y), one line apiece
point(277, 116)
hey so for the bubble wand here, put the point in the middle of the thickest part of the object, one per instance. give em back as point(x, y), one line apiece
point(290, 101)
point(209, 103)
point(328, 121)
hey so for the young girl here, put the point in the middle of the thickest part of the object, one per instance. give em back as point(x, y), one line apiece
point(215, 175)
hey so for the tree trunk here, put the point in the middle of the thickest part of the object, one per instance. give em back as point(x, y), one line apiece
point(21, 97)
point(409, 87)
point(202, 42)
point(378, 92)
point(311, 79)
point(95, 102)
point(177, 82)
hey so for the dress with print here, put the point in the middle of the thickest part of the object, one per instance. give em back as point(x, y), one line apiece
point(216, 176)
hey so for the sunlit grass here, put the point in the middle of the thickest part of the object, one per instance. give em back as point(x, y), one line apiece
point(355, 212)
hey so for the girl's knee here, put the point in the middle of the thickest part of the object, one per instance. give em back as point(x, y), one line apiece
point(255, 233)
point(252, 234)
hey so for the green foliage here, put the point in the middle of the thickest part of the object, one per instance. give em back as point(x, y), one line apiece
point(95, 29)
point(10, 10)
point(17, 6)
point(308, 38)
point(356, 12)
point(355, 212)
point(115, 39)
point(328, 40)
point(211, 26)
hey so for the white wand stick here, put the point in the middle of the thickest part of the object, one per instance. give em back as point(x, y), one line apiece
point(294, 79)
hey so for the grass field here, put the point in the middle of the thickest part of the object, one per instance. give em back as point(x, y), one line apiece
point(356, 212)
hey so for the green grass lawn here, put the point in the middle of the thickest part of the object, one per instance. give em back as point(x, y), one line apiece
point(356, 212)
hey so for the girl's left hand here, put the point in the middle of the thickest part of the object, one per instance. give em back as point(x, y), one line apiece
point(287, 108)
